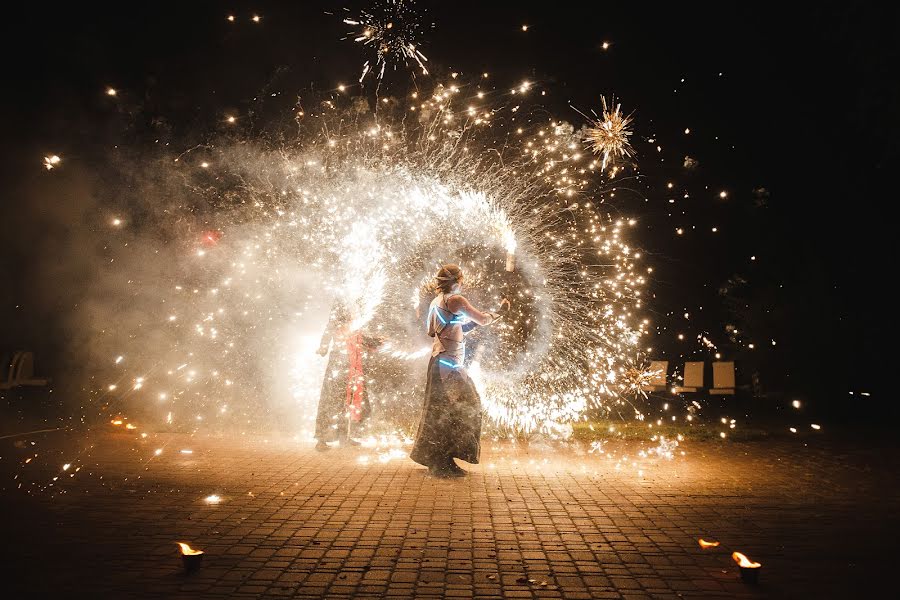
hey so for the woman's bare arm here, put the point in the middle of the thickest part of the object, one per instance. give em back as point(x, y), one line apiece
point(459, 305)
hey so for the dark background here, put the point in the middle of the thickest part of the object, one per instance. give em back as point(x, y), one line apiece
point(805, 108)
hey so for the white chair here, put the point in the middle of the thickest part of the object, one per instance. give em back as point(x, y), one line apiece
point(657, 382)
point(693, 378)
point(723, 379)
point(6, 370)
point(20, 371)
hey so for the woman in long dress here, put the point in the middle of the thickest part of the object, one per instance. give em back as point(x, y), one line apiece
point(450, 426)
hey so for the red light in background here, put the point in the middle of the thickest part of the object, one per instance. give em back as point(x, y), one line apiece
point(210, 238)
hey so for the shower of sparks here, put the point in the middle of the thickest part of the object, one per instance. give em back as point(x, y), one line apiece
point(393, 29)
point(360, 211)
point(609, 135)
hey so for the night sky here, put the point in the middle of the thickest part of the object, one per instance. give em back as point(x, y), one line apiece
point(793, 113)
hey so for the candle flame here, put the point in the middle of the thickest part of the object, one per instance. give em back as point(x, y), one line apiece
point(704, 544)
point(187, 550)
point(744, 562)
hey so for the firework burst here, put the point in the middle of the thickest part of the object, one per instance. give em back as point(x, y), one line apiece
point(359, 210)
point(609, 135)
point(392, 28)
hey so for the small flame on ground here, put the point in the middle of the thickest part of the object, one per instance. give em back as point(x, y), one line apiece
point(187, 550)
point(704, 544)
point(744, 562)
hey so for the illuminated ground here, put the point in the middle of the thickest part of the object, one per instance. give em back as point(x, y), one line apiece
point(293, 522)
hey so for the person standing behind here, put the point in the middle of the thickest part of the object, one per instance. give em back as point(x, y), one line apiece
point(343, 399)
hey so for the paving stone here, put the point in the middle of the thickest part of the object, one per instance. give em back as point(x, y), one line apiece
point(296, 523)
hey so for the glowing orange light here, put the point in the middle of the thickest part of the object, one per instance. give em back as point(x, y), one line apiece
point(704, 544)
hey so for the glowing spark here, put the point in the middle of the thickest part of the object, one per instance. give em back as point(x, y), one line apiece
point(230, 18)
point(606, 45)
point(231, 119)
point(111, 91)
point(609, 135)
point(51, 162)
point(256, 18)
point(704, 544)
point(213, 499)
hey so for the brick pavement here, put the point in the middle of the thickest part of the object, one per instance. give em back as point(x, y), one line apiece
point(525, 524)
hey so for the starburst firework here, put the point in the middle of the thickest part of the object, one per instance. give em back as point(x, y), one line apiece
point(609, 135)
point(392, 28)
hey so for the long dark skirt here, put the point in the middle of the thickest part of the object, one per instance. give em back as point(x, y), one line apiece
point(332, 416)
point(450, 426)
